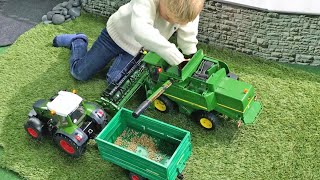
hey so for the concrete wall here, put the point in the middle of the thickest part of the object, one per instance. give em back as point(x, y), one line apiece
point(274, 36)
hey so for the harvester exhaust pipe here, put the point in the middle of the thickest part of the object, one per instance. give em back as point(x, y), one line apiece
point(145, 104)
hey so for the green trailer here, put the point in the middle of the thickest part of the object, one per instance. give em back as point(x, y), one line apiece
point(146, 147)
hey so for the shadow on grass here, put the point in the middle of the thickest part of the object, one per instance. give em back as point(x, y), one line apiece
point(306, 68)
point(5, 173)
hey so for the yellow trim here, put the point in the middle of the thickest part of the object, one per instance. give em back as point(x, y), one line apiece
point(229, 108)
point(186, 101)
point(160, 105)
point(207, 108)
point(206, 123)
point(236, 109)
point(248, 105)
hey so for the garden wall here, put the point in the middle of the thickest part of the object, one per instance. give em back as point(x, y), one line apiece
point(273, 36)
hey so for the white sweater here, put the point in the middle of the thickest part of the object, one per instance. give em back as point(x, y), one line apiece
point(138, 24)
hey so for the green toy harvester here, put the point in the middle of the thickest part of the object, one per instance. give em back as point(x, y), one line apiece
point(68, 119)
point(203, 88)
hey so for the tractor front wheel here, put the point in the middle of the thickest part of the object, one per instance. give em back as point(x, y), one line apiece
point(34, 128)
point(69, 146)
point(163, 104)
point(207, 120)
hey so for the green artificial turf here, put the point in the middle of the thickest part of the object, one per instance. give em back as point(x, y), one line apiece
point(312, 69)
point(7, 174)
point(283, 144)
point(3, 49)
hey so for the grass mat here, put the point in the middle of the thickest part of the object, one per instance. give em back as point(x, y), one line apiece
point(3, 49)
point(7, 174)
point(283, 144)
point(312, 69)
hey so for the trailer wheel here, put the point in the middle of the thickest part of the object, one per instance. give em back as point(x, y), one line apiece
point(68, 146)
point(207, 120)
point(34, 128)
point(163, 104)
point(134, 176)
point(180, 176)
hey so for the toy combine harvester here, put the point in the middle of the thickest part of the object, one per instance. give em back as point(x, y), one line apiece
point(204, 88)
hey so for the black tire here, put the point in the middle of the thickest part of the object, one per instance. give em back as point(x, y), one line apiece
point(207, 120)
point(68, 146)
point(164, 104)
point(133, 176)
point(97, 129)
point(180, 176)
point(34, 128)
point(233, 76)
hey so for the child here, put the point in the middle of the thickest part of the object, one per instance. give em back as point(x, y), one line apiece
point(139, 23)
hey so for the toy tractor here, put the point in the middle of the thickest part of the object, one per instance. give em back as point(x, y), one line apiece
point(68, 119)
point(203, 88)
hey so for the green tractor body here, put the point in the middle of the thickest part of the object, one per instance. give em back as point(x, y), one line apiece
point(68, 119)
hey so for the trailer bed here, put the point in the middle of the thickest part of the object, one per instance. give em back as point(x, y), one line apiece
point(145, 146)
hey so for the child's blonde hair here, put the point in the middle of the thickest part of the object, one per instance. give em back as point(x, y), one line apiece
point(183, 11)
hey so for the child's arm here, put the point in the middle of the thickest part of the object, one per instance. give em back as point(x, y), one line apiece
point(187, 37)
point(142, 20)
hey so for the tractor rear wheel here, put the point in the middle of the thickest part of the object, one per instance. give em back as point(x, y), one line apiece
point(69, 146)
point(207, 120)
point(34, 128)
point(134, 176)
point(163, 104)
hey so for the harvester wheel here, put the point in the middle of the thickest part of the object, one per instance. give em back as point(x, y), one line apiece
point(163, 104)
point(207, 120)
point(134, 176)
point(34, 128)
point(68, 146)
point(233, 76)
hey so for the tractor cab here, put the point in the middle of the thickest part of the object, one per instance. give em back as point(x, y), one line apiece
point(66, 108)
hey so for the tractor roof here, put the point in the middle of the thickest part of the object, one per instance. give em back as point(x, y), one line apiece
point(65, 103)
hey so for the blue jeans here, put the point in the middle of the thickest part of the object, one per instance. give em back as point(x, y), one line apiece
point(84, 65)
